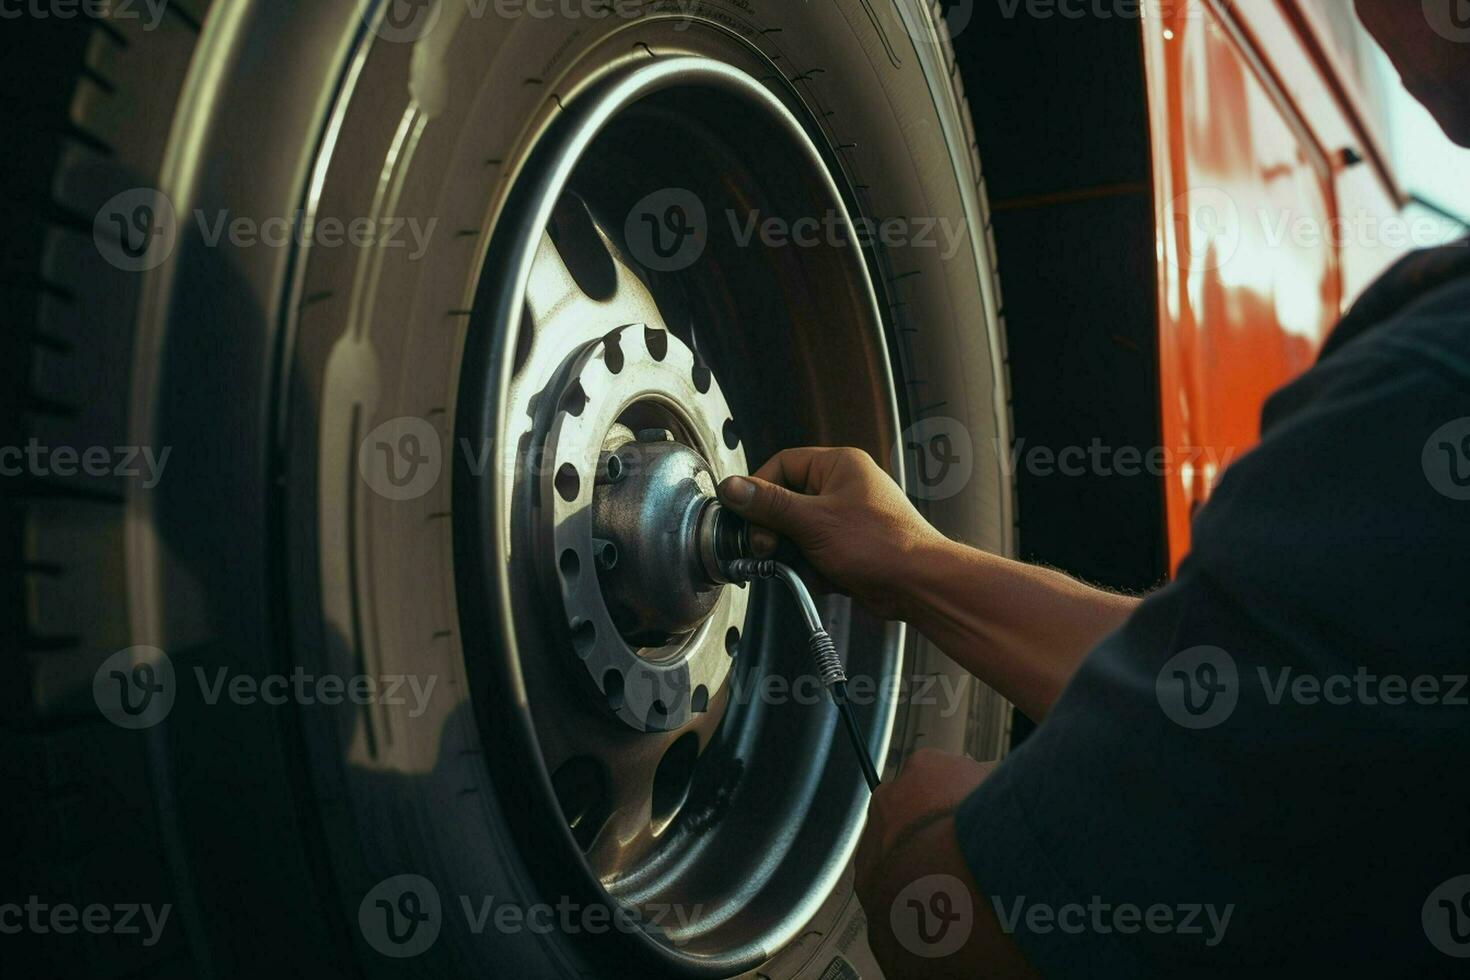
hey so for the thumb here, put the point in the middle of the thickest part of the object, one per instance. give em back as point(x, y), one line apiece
point(766, 504)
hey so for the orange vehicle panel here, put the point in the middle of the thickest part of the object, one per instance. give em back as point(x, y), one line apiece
point(1250, 243)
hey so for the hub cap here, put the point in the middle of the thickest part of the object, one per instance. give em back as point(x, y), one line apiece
point(623, 512)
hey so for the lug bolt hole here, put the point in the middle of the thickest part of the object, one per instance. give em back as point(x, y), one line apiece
point(610, 468)
point(657, 343)
point(584, 637)
point(612, 687)
point(671, 779)
point(732, 437)
point(575, 399)
point(612, 354)
point(607, 554)
point(732, 640)
point(571, 566)
point(568, 483)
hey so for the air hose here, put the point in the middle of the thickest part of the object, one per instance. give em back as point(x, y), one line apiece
point(819, 643)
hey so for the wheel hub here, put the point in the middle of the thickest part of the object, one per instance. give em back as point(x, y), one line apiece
point(647, 509)
point(639, 438)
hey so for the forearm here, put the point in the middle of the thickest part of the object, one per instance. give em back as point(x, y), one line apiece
point(1021, 629)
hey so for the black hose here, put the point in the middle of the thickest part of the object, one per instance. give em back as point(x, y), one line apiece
point(823, 650)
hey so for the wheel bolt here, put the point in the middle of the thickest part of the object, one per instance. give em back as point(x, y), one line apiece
point(606, 554)
point(609, 468)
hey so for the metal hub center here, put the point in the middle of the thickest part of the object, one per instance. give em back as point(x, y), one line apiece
point(624, 516)
point(651, 497)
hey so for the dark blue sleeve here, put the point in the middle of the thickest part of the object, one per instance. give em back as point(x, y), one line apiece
point(1265, 769)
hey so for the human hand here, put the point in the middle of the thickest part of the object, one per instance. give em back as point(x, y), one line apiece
point(846, 516)
point(929, 787)
point(911, 837)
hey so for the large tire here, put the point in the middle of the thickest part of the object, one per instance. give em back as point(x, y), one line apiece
point(239, 820)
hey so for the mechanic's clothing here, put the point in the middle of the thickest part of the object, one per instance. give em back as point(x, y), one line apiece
point(1316, 788)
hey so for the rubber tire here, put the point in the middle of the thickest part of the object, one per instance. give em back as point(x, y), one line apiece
point(216, 813)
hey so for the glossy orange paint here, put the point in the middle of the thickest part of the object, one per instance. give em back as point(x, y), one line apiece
point(1257, 147)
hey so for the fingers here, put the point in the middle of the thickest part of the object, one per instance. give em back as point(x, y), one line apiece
point(795, 468)
point(766, 504)
point(762, 542)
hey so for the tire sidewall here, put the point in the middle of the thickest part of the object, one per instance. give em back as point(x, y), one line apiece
point(887, 109)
